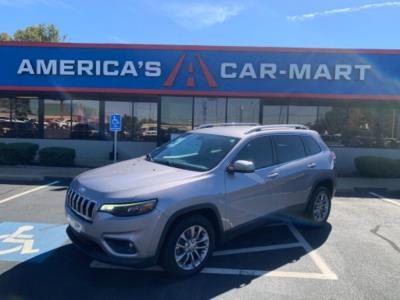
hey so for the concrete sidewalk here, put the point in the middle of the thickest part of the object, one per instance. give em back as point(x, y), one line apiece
point(38, 173)
point(347, 184)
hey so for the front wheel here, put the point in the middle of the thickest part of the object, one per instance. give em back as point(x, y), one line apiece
point(319, 206)
point(189, 245)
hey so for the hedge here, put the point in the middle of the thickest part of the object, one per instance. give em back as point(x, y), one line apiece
point(57, 156)
point(18, 153)
point(373, 166)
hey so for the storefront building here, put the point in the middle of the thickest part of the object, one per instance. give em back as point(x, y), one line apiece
point(62, 94)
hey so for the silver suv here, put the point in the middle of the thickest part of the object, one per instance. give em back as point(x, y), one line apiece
point(176, 204)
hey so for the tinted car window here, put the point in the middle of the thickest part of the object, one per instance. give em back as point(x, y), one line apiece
point(259, 151)
point(289, 147)
point(311, 145)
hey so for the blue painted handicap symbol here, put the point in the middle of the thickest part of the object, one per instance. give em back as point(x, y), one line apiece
point(23, 241)
point(115, 122)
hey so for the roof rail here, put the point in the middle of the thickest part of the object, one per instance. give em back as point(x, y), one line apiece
point(225, 125)
point(276, 127)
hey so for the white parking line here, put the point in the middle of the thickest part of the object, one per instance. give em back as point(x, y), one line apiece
point(261, 273)
point(28, 192)
point(385, 199)
point(326, 272)
point(257, 249)
point(318, 260)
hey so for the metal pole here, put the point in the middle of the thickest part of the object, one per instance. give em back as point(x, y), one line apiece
point(115, 146)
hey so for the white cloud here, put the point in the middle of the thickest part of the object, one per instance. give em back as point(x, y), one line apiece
point(200, 15)
point(310, 16)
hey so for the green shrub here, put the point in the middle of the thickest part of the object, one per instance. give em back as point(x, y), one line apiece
point(373, 166)
point(57, 156)
point(18, 153)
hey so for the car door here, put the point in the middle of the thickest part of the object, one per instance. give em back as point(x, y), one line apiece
point(250, 196)
point(291, 172)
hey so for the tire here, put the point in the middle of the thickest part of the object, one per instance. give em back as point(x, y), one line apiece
point(321, 197)
point(182, 231)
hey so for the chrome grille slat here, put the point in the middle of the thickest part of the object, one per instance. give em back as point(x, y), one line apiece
point(81, 205)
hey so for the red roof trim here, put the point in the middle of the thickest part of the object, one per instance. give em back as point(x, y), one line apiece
point(199, 48)
point(198, 93)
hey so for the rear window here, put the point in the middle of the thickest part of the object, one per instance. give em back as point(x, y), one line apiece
point(311, 145)
point(289, 147)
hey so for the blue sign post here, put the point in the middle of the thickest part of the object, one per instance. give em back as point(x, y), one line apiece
point(115, 125)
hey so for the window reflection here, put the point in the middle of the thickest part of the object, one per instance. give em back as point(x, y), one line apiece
point(57, 119)
point(85, 119)
point(24, 117)
point(243, 110)
point(176, 116)
point(5, 117)
point(305, 115)
point(275, 114)
point(145, 121)
point(209, 110)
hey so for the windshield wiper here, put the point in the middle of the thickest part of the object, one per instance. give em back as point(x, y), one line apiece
point(149, 157)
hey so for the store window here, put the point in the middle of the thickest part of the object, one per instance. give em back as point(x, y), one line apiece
point(370, 127)
point(5, 117)
point(275, 114)
point(25, 117)
point(57, 119)
point(305, 115)
point(243, 110)
point(145, 121)
point(209, 110)
point(331, 123)
point(176, 116)
point(85, 119)
point(125, 110)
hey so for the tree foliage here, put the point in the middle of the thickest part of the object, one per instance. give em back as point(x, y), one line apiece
point(35, 33)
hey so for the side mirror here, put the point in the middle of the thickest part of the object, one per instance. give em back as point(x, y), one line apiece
point(242, 166)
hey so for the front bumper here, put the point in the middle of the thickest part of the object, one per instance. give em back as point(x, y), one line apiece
point(97, 238)
point(93, 250)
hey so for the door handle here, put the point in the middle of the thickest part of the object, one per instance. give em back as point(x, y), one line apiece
point(311, 165)
point(273, 175)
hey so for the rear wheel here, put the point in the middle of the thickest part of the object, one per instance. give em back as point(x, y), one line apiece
point(189, 245)
point(319, 207)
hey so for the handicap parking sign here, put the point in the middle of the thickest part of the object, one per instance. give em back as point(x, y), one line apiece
point(23, 241)
point(115, 122)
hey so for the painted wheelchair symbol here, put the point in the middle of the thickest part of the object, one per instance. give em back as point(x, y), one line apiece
point(25, 241)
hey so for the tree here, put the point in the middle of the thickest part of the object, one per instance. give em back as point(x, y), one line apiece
point(4, 36)
point(35, 33)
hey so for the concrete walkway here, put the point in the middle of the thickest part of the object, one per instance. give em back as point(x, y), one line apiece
point(38, 173)
point(346, 184)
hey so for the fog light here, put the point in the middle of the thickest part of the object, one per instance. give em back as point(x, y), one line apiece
point(121, 246)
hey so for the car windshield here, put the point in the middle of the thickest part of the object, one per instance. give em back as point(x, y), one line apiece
point(194, 151)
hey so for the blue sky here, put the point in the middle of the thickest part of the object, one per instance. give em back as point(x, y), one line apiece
point(295, 23)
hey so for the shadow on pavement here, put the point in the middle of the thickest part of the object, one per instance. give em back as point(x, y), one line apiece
point(66, 273)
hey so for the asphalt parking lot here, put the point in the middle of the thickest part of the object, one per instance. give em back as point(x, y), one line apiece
point(357, 256)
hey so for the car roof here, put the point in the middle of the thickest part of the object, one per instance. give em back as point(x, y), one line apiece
point(241, 131)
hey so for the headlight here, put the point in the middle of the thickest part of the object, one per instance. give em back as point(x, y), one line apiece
point(129, 209)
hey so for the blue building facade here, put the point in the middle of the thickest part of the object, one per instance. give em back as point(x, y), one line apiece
point(63, 93)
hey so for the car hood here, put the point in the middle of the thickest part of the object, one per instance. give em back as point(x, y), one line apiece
point(131, 178)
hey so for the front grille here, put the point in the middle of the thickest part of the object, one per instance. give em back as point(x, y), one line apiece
point(82, 206)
